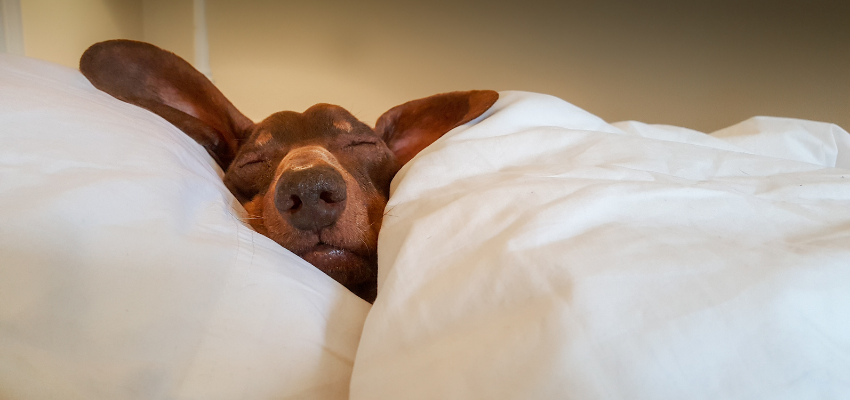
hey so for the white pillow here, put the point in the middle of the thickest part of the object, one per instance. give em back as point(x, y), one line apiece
point(540, 253)
point(126, 272)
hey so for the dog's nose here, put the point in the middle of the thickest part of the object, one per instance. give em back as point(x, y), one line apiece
point(311, 198)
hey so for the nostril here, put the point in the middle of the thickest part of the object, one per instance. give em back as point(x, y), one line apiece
point(296, 203)
point(330, 197)
point(289, 203)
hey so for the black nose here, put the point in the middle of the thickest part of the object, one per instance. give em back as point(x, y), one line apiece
point(311, 198)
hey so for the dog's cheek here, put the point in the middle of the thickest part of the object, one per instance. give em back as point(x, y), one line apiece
point(275, 226)
point(370, 216)
point(256, 214)
point(377, 204)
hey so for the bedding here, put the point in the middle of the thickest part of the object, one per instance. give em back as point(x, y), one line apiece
point(539, 252)
point(535, 252)
point(127, 272)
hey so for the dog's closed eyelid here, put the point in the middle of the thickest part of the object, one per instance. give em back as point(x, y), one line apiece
point(253, 162)
point(251, 159)
point(361, 143)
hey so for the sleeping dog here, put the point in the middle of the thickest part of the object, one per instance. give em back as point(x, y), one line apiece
point(315, 182)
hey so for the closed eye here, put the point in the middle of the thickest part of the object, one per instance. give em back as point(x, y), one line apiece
point(252, 160)
point(253, 166)
point(361, 143)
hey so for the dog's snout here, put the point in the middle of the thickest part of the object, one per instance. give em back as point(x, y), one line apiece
point(311, 198)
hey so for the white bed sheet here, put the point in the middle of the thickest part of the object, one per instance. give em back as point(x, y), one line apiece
point(539, 252)
point(127, 273)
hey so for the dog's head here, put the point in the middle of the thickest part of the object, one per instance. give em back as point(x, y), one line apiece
point(316, 182)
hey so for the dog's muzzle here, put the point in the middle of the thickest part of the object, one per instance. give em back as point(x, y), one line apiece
point(311, 198)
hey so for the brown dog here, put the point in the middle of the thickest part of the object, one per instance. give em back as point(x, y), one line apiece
point(315, 182)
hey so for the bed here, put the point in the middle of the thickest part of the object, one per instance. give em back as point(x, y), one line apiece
point(536, 252)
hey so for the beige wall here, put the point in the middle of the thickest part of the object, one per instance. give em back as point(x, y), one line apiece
point(699, 64)
point(60, 31)
point(168, 24)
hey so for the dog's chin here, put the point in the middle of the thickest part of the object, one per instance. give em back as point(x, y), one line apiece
point(355, 272)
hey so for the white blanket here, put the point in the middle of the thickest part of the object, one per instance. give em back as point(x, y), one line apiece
point(126, 272)
point(540, 253)
point(537, 252)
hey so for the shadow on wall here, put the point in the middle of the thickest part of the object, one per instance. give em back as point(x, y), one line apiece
point(60, 31)
point(699, 64)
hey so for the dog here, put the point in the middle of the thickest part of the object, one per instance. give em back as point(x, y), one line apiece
point(315, 182)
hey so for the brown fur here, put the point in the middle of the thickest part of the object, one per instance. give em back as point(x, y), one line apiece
point(344, 162)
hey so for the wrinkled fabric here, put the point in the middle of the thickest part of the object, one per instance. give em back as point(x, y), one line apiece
point(127, 272)
point(539, 252)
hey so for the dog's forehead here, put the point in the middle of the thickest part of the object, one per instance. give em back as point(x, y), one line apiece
point(321, 121)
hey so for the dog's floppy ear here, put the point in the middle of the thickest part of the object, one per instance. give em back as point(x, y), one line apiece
point(160, 81)
point(412, 126)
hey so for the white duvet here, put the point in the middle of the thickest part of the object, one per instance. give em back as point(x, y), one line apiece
point(541, 253)
point(126, 273)
point(537, 252)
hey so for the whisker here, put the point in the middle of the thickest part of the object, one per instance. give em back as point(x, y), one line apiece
point(251, 216)
point(362, 236)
